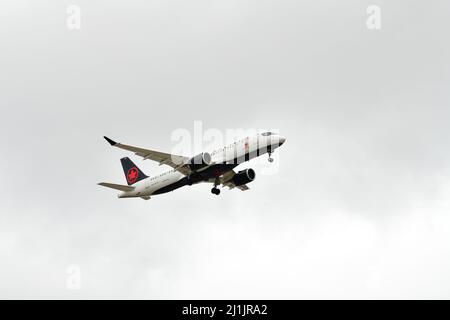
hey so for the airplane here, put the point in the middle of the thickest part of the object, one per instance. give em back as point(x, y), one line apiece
point(216, 167)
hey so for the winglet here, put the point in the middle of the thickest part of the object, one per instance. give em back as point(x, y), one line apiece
point(111, 142)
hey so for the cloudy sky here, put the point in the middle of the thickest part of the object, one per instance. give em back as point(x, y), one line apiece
point(358, 206)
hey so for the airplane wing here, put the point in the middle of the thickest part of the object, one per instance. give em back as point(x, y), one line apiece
point(175, 161)
point(226, 181)
point(231, 185)
point(243, 187)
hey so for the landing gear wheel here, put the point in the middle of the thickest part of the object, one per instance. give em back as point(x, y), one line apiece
point(215, 191)
point(270, 157)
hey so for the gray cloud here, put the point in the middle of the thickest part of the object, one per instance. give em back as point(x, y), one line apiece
point(358, 209)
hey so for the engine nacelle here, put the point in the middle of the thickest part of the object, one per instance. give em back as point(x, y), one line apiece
point(200, 161)
point(244, 176)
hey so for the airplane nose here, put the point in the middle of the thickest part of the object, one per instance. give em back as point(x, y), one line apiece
point(282, 140)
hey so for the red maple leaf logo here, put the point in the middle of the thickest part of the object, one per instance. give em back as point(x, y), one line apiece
point(132, 175)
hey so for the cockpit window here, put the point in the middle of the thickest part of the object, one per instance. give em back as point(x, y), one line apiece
point(267, 133)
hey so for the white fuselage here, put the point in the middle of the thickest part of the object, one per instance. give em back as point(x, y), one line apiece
point(235, 152)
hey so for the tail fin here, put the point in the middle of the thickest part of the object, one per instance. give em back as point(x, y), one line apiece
point(132, 173)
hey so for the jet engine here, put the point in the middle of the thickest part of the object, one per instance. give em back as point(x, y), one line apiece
point(200, 161)
point(244, 176)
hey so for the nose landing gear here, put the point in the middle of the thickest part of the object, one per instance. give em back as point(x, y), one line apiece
point(270, 157)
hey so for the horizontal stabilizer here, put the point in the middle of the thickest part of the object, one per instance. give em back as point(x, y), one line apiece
point(120, 187)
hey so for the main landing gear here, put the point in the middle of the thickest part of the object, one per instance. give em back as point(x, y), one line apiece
point(215, 190)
